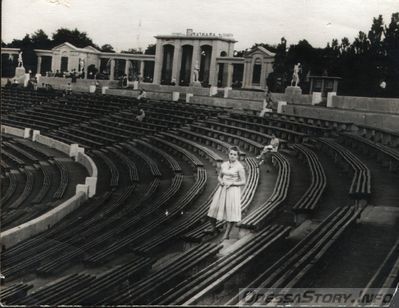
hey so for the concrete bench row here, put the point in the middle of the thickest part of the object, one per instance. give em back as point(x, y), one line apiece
point(200, 284)
point(361, 182)
point(257, 218)
point(336, 125)
point(246, 144)
point(283, 134)
point(201, 150)
point(311, 197)
point(80, 288)
point(170, 160)
point(208, 141)
point(379, 135)
point(280, 123)
point(386, 155)
point(142, 291)
point(114, 172)
point(139, 234)
point(10, 295)
point(153, 166)
point(384, 281)
point(287, 271)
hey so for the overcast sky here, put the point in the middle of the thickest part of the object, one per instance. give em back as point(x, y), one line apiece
point(250, 21)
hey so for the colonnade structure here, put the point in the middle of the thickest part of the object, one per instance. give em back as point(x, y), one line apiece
point(176, 58)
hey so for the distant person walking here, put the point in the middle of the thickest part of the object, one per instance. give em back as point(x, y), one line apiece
point(226, 203)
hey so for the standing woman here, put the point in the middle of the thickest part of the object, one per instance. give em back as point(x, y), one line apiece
point(226, 203)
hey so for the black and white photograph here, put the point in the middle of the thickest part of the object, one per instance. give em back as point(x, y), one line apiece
point(199, 153)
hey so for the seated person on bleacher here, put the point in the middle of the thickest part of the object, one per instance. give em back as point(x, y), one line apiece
point(141, 116)
point(142, 95)
point(272, 147)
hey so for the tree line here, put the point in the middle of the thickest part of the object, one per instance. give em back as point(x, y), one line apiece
point(369, 66)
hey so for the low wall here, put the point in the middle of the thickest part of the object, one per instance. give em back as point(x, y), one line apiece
point(37, 225)
point(134, 93)
point(88, 163)
point(83, 191)
point(18, 132)
point(371, 104)
point(378, 120)
point(81, 85)
point(52, 143)
point(227, 102)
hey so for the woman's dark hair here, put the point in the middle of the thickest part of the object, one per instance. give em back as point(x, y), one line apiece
point(234, 148)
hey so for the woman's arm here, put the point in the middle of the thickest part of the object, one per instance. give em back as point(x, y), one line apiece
point(220, 177)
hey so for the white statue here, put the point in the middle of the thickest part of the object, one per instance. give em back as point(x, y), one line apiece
point(82, 64)
point(196, 72)
point(20, 62)
point(295, 74)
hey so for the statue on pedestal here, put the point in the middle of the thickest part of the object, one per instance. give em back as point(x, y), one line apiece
point(196, 72)
point(20, 61)
point(295, 74)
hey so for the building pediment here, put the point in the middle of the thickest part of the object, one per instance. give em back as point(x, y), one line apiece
point(261, 51)
point(66, 46)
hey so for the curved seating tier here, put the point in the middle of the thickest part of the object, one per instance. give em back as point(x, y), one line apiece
point(247, 144)
point(361, 181)
point(213, 142)
point(311, 197)
point(284, 126)
point(142, 291)
point(386, 137)
point(10, 295)
point(336, 125)
point(283, 134)
point(384, 154)
point(295, 264)
point(257, 217)
point(173, 164)
point(215, 274)
point(203, 151)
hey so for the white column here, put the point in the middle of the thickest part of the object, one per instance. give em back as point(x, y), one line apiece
point(176, 62)
point(127, 67)
point(213, 67)
point(112, 70)
point(39, 64)
point(230, 69)
point(158, 63)
point(142, 69)
point(263, 75)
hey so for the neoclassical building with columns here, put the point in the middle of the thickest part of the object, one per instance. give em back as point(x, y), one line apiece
point(176, 58)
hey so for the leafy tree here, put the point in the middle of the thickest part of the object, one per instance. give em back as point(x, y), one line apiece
point(75, 37)
point(391, 47)
point(40, 40)
point(150, 50)
point(107, 48)
point(132, 51)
